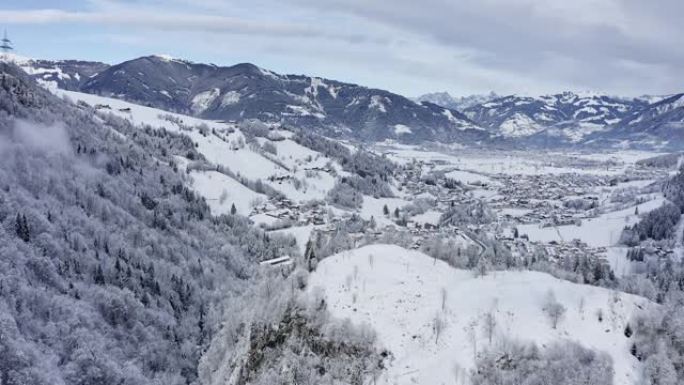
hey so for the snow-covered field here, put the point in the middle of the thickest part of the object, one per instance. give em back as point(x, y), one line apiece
point(602, 231)
point(431, 216)
point(516, 163)
point(399, 293)
point(222, 191)
point(373, 207)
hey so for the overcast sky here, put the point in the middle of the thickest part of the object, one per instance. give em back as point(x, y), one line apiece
point(621, 47)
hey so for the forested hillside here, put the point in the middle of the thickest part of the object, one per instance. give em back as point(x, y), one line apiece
point(111, 269)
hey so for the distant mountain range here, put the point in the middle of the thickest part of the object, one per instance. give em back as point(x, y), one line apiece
point(337, 109)
point(569, 118)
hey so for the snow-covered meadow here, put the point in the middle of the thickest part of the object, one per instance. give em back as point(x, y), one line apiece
point(291, 160)
point(401, 293)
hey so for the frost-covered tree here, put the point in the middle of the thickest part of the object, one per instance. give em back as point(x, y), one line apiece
point(489, 325)
point(438, 325)
point(553, 309)
point(310, 255)
point(560, 363)
point(659, 370)
point(472, 213)
point(658, 336)
point(21, 228)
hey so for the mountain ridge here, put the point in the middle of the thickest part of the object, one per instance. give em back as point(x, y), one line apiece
point(570, 118)
point(347, 110)
point(246, 91)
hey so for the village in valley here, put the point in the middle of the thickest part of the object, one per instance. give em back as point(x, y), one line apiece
point(531, 212)
point(559, 206)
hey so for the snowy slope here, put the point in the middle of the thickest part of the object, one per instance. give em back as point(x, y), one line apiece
point(398, 293)
point(373, 208)
point(292, 159)
point(222, 191)
point(138, 114)
point(519, 125)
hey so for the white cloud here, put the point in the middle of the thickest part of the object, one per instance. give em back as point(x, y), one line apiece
point(51, 139)
point(531, 46)
point(172, 21)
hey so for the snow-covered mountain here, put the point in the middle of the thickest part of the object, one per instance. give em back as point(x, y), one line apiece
point(580, 119)
point(64, 74)
point(571, 114)
point(570, 118)
point(460, 103)
point(658, 124)
point(666, 111)
point(245, 91)
point(337, 109)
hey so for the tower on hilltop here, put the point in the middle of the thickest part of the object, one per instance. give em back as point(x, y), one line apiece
point(6, 46)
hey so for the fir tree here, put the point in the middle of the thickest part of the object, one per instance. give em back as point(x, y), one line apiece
point(310, 255)
point(21, 228)
point(98, 277)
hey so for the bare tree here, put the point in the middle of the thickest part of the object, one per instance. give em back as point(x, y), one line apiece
point(489, 325)
point(457, 371)
point(482, 267)
point(472, 336)
point(554, 309)
point(444, 298)
point(438, 326)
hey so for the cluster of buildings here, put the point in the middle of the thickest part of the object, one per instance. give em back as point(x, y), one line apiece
point(287, 210)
